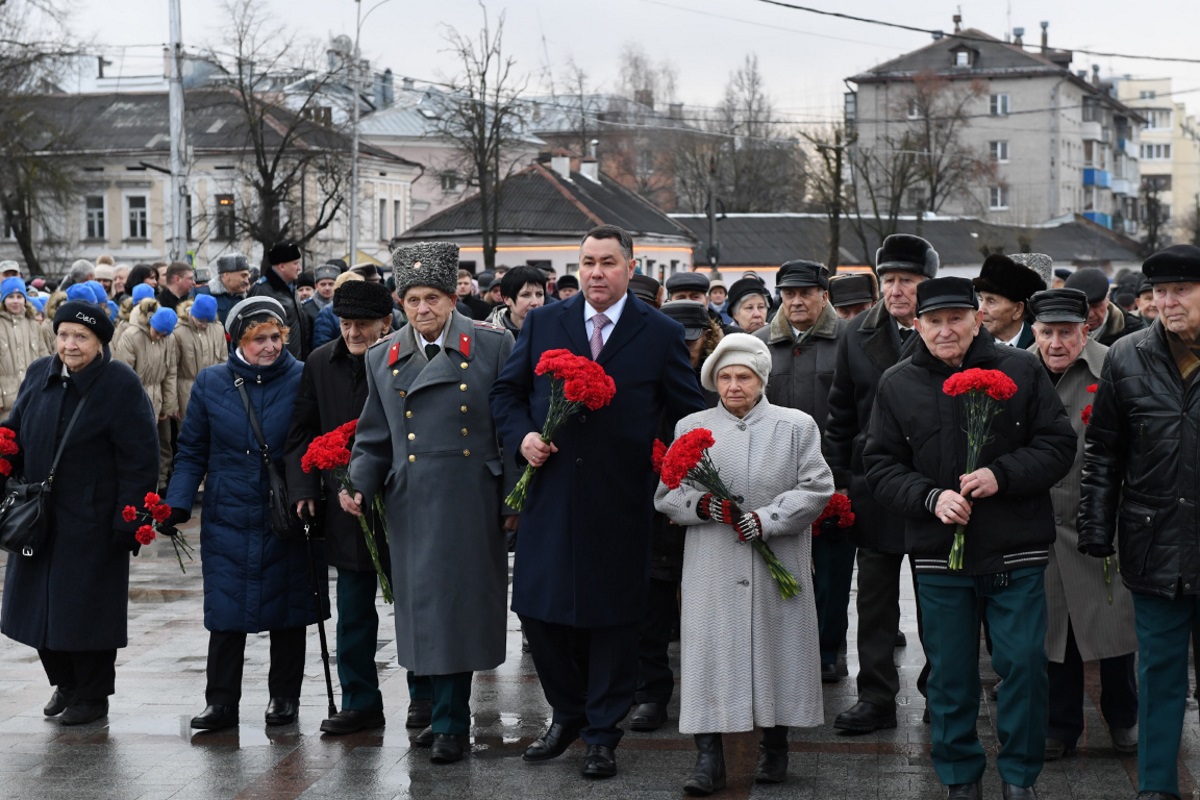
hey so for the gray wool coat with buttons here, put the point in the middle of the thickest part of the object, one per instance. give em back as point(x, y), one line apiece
point(1075, 589)
point(427, 441)
point(748, 657)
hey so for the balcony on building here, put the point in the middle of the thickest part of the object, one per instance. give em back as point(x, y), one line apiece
point(1099, 218)
point(1097, 177)
point(1123, 186)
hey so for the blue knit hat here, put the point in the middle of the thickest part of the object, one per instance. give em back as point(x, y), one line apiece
point(97, 290)
point(143, 291)
point(11, 285)
point(113, 310)
point(204, 308)
point(39, 302)
point(164, 321)
point(82, 293)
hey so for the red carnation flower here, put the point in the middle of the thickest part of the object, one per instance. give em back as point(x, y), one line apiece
point(160, 512)
point(1086, 414)
point(657, 453)
point(6, 467)
point(1093, 388)
point(7, 433)
point(330, 450)
point(8, 447)
point(145, 534)
point(684, 454)
point(152, 500)
point(129, 514)
point(838, 509)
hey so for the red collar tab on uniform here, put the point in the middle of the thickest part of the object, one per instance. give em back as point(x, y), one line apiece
point(464, 345)
point(393, 354)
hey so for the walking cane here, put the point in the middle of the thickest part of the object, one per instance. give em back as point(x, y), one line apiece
point(316, 587)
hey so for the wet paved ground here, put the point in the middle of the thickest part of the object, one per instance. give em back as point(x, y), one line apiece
point(146, 751)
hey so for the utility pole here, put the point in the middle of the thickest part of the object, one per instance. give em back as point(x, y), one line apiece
point(354, 103)
point(179, 188)
point(714, 247)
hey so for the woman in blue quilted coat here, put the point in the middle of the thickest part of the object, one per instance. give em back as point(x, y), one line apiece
point(254, 581)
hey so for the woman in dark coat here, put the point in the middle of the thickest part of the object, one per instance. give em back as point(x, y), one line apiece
point(253, 580)
point(70, 601)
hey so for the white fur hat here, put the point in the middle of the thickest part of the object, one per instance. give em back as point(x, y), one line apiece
point(737, 348)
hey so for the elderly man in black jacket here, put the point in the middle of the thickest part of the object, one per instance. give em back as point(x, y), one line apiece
point(874, 341)
point(1141, 479)
point(333, 391)
point(916, 466)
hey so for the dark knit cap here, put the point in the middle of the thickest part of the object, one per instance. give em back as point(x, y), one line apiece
point(88, 315)
point(362, 300)
point(743, 288)
point(306, 279)
point(568, 282)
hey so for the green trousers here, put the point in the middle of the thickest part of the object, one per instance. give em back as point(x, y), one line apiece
point(1014, 604)
point(358, 640)
point(1164, 626)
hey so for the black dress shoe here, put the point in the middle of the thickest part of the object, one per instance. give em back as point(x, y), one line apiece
point(599, 762)
point(58, 702)
point(864, 717)
point(647, 717)
point(1056, 749)
point(965, 791)
point(215, 717)
point(447, 748)
point(830, 674)
point(81, 712)
point(901, 639)
point(553, 743)
point(1011, 791)
point(1125, 740)
point(282, 710)
point(352, 721)
point(709, 774)
point(925, 715)
point(420, 714)
point(422, 739)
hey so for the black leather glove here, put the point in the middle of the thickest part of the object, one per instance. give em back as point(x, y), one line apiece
point(126, 540)
point(177, 517)
point(1096, 549)
point(714, 508)
point(748, 527)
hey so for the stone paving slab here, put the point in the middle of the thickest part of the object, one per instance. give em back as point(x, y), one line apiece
point(146, 751)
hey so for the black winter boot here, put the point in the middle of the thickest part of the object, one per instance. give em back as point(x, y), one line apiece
point(772, 756)
point(709, 774)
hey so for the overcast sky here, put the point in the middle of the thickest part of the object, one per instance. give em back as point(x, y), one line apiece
point(804, 57)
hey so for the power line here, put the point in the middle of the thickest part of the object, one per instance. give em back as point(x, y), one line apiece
point(960, 36)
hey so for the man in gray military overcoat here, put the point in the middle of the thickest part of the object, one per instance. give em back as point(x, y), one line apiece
point(427, 442)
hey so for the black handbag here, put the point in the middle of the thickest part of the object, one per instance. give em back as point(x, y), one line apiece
point(284, 522)
point(25, 510)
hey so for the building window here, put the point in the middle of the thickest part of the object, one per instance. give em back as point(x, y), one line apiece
point(1147, 94)
point(226, 218)
point(1156, 152)
point(999, 151)
point(962, 58)
point(1156, 183)
point(998, 105)
point(998, 198)
point(138, 216)
point(1158, 119)
point(397, 217)
point(449, 181)
point(94, 217)
point(383, 219)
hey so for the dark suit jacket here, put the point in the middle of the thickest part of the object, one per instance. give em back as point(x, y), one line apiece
point(583, 547)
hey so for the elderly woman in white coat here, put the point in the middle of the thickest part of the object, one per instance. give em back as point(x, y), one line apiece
point(749, 657)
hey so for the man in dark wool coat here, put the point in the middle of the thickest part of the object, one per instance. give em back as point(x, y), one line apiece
point(583, 553)
point(333, 391)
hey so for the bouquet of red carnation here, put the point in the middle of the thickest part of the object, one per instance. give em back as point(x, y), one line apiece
point(687, 458)
point(331, 451)
point(8, 447)
point(837, 514)
point(576, 382)
point(152, 518)
point(1110, 566)
point(983, 390)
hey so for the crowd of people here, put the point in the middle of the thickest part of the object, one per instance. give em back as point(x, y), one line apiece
point(823, 386)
